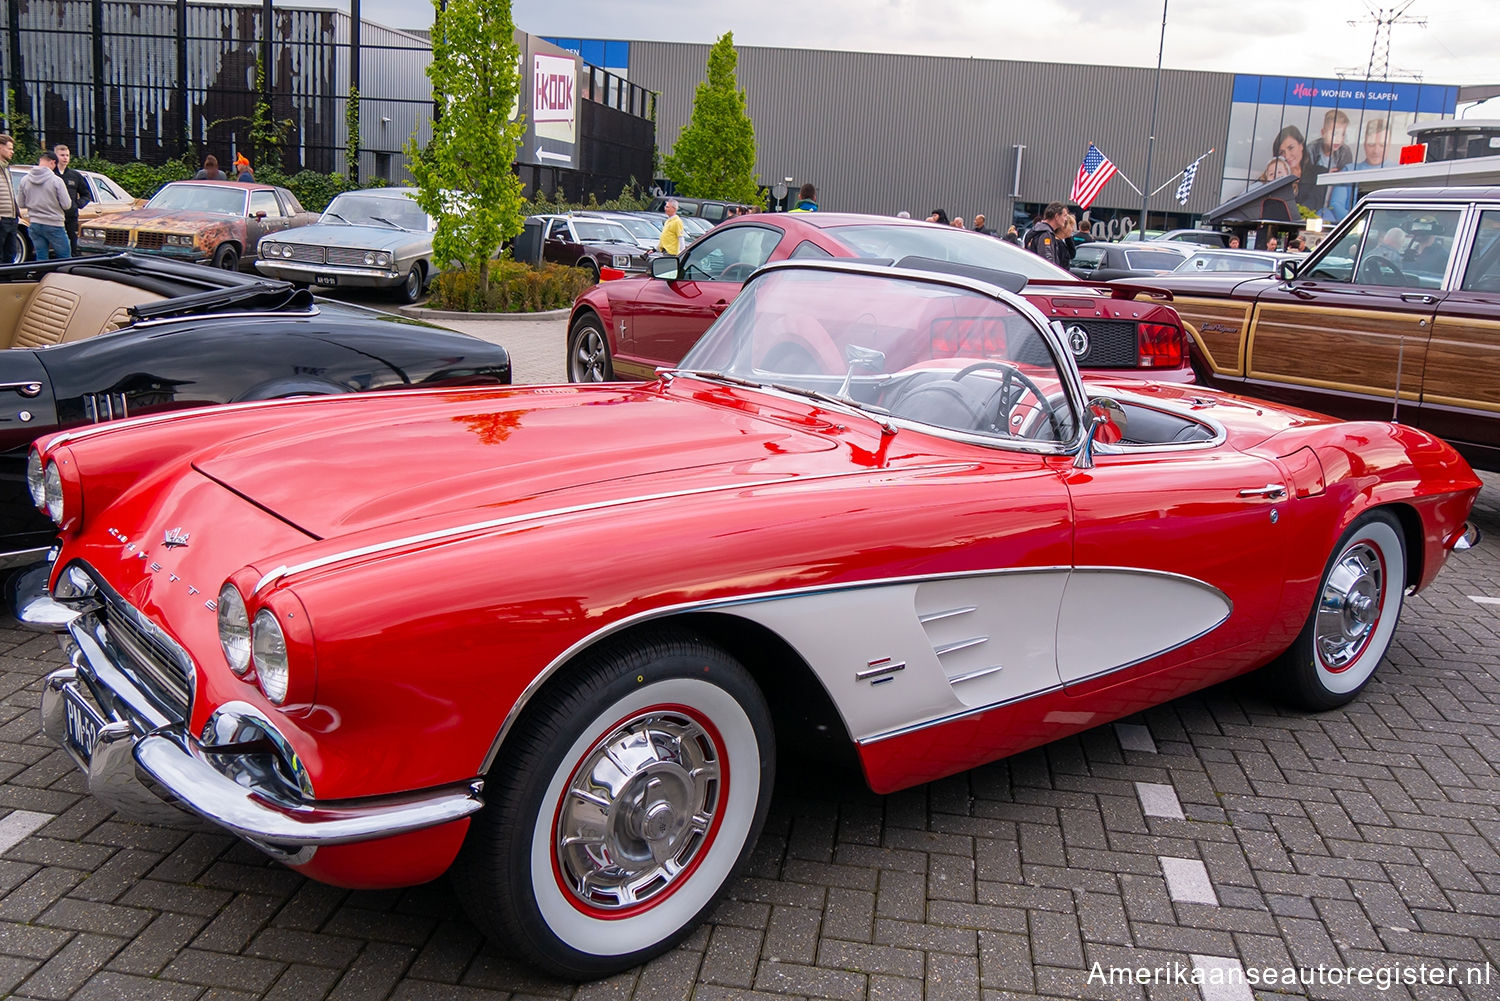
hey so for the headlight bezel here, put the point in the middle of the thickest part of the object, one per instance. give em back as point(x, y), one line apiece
point(35, 471)
point(271, 657)
point(54, 499)
point(238, 648)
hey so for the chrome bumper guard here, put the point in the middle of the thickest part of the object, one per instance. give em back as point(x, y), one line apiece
point(1468, 537)
point(142, 762)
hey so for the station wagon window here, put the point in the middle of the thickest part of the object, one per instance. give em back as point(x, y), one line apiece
point(1393, 247)
point(1088, 258)
point(1482, 274)
point(265, 201)
point(731, 253)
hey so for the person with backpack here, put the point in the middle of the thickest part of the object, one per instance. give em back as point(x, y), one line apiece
point(1043, 239)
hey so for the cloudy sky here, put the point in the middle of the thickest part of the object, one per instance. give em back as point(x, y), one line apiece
point(1294, 37)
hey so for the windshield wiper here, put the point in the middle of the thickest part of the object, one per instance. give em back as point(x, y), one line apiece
point(381, 218)
point(847, 406)
point(335, 215)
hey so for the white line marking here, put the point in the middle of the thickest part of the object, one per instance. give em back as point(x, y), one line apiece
point(18, 826)
point(1484, 601)
point(1187, 881)
point(1222, 979)
point(1134, 737)
point(1159, 800)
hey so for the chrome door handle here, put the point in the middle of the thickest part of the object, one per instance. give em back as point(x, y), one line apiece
point(1418, 297)
point(1270, 490)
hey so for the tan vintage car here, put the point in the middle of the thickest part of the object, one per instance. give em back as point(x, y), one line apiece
point(1406, 290)
point(106, 198)
point(211, 222)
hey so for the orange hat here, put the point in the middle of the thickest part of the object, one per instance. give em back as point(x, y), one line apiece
point(240, 158)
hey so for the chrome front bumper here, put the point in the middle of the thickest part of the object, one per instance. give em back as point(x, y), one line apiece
point(348, 276)
point(141, 761)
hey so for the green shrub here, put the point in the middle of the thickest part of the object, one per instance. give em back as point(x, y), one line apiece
point(632, 199)
point(139, 179)
point(514, 288)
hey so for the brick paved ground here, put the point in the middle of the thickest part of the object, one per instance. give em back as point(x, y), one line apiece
point(1218, 830)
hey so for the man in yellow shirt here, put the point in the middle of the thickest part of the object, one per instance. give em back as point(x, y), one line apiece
point(671, 233)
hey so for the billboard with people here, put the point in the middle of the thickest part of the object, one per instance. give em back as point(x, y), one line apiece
point(1306, 127)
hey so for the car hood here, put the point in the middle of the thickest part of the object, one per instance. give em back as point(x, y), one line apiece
point(473, 456)
point(177, 220)
point(355, 237)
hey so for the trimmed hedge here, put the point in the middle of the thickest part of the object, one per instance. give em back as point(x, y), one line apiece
point(514, 288)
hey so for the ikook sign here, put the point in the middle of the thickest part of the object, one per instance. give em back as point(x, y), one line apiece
point(554, 87)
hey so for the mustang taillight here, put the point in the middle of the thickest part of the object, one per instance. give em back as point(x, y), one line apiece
point(1158, 345)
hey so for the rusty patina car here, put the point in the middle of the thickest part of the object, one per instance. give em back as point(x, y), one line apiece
point(212, 222)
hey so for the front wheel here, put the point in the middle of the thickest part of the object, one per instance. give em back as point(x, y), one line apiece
point(622, 805)
point(1353, 618)
point(410, 289)
point(226, 257)
point(588, 352)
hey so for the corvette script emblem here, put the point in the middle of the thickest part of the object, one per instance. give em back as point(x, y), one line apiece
point(1078, 341)
point(175, 537)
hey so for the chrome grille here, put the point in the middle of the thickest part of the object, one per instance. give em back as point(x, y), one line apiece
point(158, 664)
point(343, 255)
point(150, 241)
point(116, 238)
point(310, 255)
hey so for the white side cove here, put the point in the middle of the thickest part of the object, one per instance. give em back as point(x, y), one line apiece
point(907, 654)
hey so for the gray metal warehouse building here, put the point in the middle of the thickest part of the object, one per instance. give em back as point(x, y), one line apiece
point(880, 132)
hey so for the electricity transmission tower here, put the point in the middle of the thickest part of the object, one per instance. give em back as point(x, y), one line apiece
point(1380, 50)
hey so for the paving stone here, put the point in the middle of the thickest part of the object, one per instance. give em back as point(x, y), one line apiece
point(71, 966)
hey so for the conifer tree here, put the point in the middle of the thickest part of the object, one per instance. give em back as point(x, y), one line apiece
point(715, 155)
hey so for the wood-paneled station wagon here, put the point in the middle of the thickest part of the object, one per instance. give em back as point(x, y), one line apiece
point(1408, 287)
point(882, 499)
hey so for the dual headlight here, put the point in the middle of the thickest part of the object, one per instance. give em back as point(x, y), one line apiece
point(282, 250)
point(45, 485)
point(92, 234)
point(262, 644)
point(174, 240)
point(377, 258)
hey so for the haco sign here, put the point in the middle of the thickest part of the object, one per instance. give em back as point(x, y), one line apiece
point(554, 109)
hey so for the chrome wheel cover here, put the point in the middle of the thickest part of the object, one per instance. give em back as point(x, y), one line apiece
point(1349, 606)
point(639, 811)
point(590, 356)
point(412, 287)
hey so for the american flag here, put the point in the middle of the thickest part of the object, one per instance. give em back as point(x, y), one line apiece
point(1186, 187)
point(1093, 174)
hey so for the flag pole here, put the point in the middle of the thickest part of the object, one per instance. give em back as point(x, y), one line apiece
point(1155, 101)
point(1179, 174)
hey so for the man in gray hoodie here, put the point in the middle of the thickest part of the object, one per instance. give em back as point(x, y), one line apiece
point(44, 196)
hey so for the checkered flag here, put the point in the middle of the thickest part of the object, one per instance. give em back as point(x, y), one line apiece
point(1186, 187)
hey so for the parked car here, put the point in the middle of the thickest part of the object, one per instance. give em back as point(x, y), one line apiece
point(591, 244)
point(211, 222)
point(712, 210)
point(106, 198)
point(628, 329)
point(1107, 261)
point(692, 227)
point(1257, 261)
point(1407, 287)
point(875, 501)
point(646, 230)
point(375, 238)
point(93, 340)
point(1200, 237)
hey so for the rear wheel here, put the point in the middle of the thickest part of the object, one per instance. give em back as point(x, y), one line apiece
point(1353, 618)
point(226, 257)
point(621, 806)
point(588, 351)
point(20, 248)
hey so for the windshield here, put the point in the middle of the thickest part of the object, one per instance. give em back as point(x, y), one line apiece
point(599, 231)
point(355, 209)
point(200, 198)
point(638, 227)
point(926, 351)
point(945, 243)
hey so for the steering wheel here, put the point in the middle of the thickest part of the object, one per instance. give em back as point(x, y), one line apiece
point(1373, 269)
point(1004, 401)
point(739, 271)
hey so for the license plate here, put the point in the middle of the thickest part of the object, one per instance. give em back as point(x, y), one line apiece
point(329, 280)
point(83, 723)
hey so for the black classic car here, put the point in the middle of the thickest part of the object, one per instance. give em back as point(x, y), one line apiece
point(104, 338)
point(591, 243)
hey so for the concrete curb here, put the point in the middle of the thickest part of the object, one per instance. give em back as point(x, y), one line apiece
point(422, 313)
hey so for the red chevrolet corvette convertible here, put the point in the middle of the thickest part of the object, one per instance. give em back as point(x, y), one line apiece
point(551, 638)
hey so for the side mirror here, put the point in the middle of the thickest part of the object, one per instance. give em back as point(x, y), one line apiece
point(260, 215)
point(1286, 270)
point(1106, 424)
point(669, 268)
